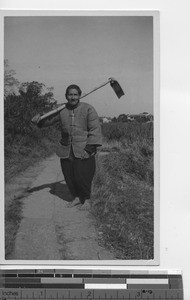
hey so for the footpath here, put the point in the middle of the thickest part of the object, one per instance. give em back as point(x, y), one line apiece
point(50, 229)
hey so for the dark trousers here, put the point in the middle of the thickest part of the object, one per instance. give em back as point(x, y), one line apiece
point(78, 175)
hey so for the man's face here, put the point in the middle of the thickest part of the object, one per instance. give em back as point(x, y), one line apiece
point(72, 97)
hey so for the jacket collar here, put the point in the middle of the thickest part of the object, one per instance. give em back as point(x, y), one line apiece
point(71, 107)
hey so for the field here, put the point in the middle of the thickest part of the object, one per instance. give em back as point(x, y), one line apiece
point(123, 190)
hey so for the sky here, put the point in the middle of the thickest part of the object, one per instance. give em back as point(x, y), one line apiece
point(87, 51)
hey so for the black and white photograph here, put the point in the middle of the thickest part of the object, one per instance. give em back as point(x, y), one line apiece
point(81, 167)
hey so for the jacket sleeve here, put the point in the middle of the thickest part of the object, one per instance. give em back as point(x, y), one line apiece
point(90, 149)
point(49, 121)
point(94, 129)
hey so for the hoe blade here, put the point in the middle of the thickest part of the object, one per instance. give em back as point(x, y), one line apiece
point(117, 88)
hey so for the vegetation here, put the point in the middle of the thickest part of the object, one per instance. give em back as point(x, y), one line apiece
point(123, 191)
point(10, 82)
point(13, 218)
point(24, 143)
point(128, 133)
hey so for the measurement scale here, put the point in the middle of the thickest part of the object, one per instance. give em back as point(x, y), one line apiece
point(78, 284)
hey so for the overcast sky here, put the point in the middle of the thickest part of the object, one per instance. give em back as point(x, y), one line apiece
point(86, 50)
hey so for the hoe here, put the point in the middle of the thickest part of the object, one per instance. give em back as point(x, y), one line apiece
point(114, 84)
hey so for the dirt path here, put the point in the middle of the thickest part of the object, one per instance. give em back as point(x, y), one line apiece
point(50, 229)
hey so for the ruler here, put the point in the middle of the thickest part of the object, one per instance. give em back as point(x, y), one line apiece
point(90, 284)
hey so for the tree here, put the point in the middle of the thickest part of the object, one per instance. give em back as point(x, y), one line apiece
point(122, 118)
point(10, 82)
point(19, 109)
point(114, 119)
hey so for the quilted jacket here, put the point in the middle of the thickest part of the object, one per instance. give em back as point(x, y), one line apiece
point(79, 127)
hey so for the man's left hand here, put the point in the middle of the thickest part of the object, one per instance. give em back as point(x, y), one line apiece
point(85, 155)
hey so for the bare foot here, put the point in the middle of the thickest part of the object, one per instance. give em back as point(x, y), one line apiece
point(86, 205)
point(75, 202)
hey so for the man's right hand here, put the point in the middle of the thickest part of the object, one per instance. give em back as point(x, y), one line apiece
point(35, 120)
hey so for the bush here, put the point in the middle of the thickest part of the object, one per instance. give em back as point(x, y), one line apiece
point(24, 142)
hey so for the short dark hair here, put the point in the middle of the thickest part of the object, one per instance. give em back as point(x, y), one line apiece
point(73, 86)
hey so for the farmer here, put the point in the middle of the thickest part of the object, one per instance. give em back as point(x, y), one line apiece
point(80, 137)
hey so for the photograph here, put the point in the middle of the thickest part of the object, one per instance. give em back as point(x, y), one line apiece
point(81, 137)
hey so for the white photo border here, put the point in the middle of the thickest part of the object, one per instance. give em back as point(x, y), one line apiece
point(156, 80)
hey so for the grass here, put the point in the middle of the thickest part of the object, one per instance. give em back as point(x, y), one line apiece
point(25, 151)
point(123, 200)
point(12, 222)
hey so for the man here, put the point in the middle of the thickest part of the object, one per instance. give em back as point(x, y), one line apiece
point(80, 137)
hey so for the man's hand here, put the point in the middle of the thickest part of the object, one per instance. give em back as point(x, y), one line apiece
point(85, 155)
point(35, 120)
